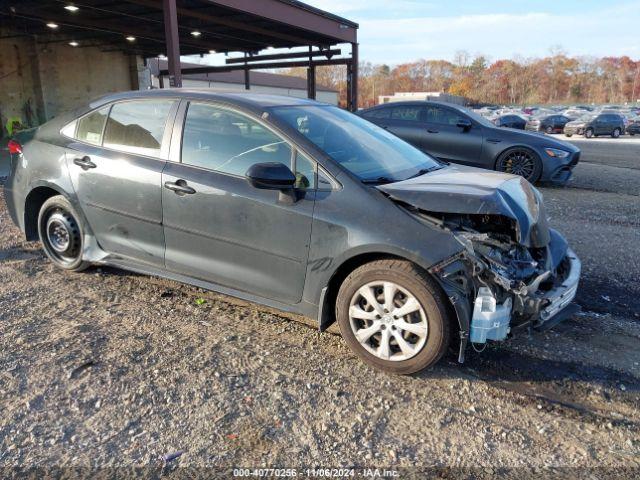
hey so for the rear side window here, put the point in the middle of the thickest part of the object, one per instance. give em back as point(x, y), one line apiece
point(137, 127)
point(229, 142)
point(90, 127)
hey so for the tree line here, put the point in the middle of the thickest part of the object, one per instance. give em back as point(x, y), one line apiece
point(555, 79)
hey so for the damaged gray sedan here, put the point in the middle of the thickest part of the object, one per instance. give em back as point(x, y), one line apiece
point(299, 206)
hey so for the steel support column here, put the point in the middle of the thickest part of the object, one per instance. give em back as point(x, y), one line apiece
point(247, 75)
point(352, 77)
point(311, 77)
point(172, 38)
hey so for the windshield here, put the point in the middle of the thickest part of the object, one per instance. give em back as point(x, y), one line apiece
point(366, 150)
point(477, 117)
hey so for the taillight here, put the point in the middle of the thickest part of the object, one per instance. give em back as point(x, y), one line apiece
point(14, 147)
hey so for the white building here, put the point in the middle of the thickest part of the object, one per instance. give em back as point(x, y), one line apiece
point(422, 96)
point(260, 82)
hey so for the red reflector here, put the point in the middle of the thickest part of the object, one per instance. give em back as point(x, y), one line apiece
point(14, 147)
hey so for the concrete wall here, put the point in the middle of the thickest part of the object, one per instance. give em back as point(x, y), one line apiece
point(321, 96)
point(37, 81)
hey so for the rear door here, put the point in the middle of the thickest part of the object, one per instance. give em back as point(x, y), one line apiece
point(445, 140)
point(116, 168)
point(223, 230)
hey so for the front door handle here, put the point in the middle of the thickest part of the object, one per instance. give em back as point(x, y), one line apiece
point(180, 187)
point(432, 131)
point(84, 162)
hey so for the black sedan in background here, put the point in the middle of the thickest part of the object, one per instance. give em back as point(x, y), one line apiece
point(510, 121)
point(548, 124)
point(456, 134)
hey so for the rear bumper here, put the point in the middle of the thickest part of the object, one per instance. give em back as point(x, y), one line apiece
point(10, 202)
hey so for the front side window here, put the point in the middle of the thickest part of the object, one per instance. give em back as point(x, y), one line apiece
point(368, 151)
point(90, 127)
point(444, 116)
point(137, 126)
point(228, 142)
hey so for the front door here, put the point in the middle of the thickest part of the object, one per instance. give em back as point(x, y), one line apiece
point(445, 140)
point(221, 229)
point(117, 176)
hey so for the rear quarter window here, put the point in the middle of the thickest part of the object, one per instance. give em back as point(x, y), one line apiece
point(90, 127)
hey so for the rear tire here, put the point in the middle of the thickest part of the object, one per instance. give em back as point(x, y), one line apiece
point(588, 133)
point(615, 133)
point(549, 130)
point(61, 234)
point(568, 135)
point(404, 326)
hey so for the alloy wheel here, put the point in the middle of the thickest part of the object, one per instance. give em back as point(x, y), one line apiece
point(519, 162)
point(388, 321)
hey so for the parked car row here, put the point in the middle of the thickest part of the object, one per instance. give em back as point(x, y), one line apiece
point(591, 122)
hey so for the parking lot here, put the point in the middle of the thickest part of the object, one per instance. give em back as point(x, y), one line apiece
point(109, 368)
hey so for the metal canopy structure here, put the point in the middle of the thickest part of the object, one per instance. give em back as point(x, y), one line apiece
point(150, 28)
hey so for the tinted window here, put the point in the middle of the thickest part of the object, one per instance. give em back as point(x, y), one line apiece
point(411, 114)
point(91, 126)
point(138, 126)
point(442, 116)
point(228, 142)
point(378, 113)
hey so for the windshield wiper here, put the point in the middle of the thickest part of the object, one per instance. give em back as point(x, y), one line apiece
point(378, 181)
point(425, 171)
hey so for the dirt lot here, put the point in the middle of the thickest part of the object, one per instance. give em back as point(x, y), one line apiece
point(110, 369)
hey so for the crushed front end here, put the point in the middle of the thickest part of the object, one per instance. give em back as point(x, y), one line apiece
point(512, 271)
point(498, 285)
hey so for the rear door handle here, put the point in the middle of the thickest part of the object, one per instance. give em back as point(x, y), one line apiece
point(180, 187)
point(432, 131)
point(493, 140)
point(84, 162)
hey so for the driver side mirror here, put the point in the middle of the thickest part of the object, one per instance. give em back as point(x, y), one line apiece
point(271, 176)
point(464, 124)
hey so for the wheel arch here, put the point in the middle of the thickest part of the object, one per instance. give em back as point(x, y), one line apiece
point(326, 308)
point(32, 204)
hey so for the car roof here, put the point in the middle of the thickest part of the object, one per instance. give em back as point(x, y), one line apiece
point(251, 101)
point(415, 103)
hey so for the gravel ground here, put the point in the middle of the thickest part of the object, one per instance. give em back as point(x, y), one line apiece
point(110, 369)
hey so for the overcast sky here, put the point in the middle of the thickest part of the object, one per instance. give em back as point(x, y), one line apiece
point(397, 31)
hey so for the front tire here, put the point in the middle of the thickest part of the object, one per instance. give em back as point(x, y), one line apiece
point(520, 161)
point(393, 316)
point(615, 133)
point(588, 133)
point(61, 234)
point(549, 130)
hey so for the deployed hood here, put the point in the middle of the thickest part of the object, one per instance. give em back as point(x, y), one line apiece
point(464, 190)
